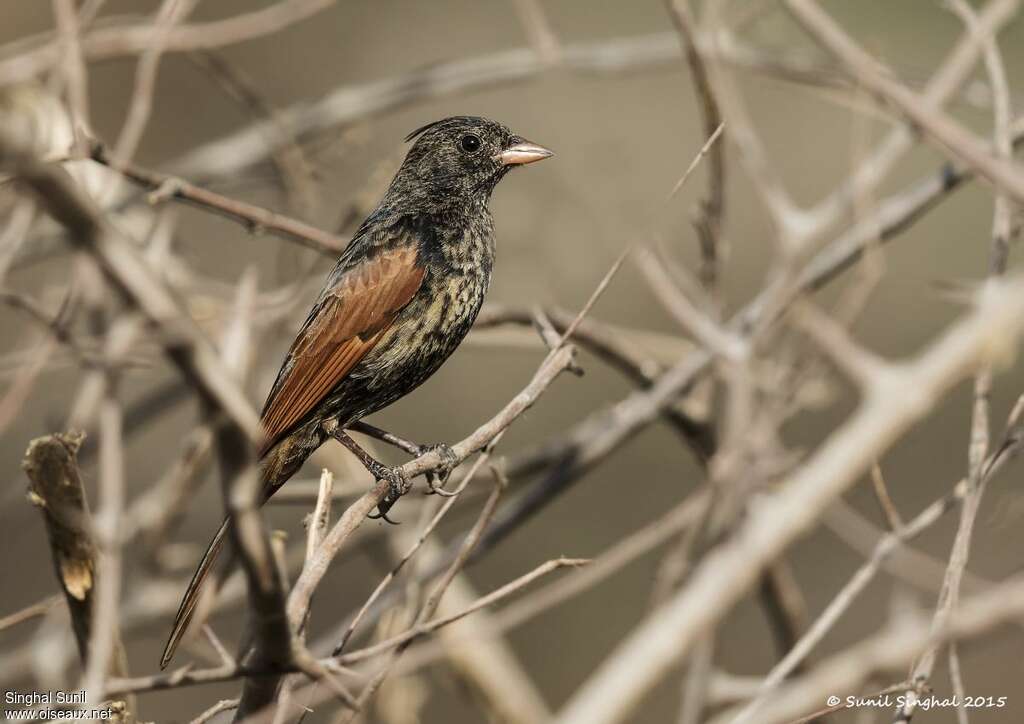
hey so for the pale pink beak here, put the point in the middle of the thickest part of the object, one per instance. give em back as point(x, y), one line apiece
point(522, 153)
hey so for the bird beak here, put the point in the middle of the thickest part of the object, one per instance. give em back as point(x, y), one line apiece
point(522, 153)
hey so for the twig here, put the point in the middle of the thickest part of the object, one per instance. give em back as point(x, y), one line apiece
point(697, 682)
point(254, 218)
point(225, 658)
point(105, 650)
point(187, 677)
point(291, 161)
point(483, 602)
point(273, 643)
point(944, 82)
point(169, 15)
point(728, 570)
point(845, 598)
point(784, 604)
point(429, 608)
point(75, 78)
point(417, 544)
point(889, 650)
point(979, 433)
point(705, 331)
point(40, 608)
point(121, 40)
point(133, 278)
point(951, 135)
point(221, 706)
point(892, 515)
point(320, 518)
point(317, 523)
point(612, 560)
point(55, 325)
point(712, 208)
point(302, 591)
point(708, 145)
point(615, 346)
point(538, 29)
point(479, 654)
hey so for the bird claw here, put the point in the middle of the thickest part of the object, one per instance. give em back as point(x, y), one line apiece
point(437, 478)
point(382, 516)
point(398, 485)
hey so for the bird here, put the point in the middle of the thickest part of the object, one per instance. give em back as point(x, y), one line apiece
point(401, 297)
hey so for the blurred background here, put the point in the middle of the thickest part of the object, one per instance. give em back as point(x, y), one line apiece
point(622, 140)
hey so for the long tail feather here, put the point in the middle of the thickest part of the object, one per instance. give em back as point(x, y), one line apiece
point(191, 598)
point(277, 465)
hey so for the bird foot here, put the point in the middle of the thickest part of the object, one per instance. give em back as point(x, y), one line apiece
point(398, 485)
point(438, 477)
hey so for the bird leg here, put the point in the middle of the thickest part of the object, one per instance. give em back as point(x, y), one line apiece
point(436, 479)
point(398, 485)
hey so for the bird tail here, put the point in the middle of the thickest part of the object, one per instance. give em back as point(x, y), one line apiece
point(277, 465)
point(191, 598)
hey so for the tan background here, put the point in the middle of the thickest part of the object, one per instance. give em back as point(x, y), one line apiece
point(621, 144)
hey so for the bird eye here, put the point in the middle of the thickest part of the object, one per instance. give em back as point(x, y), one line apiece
point(470, 143)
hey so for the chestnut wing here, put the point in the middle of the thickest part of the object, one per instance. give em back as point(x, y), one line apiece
point(346, 323)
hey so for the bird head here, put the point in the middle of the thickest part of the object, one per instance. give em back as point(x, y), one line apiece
point(461, 159)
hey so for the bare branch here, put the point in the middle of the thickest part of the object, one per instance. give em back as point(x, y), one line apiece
point(728, 570)
point(254, 218)
point(889, 650)
point(712, 209)
point(878, 79)
point(121, 40)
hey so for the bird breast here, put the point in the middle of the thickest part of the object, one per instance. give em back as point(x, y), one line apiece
point(435, 321)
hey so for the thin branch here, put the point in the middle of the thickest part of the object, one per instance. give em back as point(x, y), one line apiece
point(708, 145)
point(949, 76)
point(417, 544)
point(732, 567)
point(133, 278)
point(107, 655)
point(491, 598)
point(189, 677)
point(40, 608)
point(712, 208)
point(1006, 176)
point(979, 439)
point(120, 40)
point(892, 515)
point(255, 218)
point(889, 650)
point(538, 29)
point(169, 15)
point(609, 562)
point(430, 606)
point(221, 706)
point(75, 76)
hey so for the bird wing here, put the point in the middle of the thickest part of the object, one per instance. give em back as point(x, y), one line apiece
point(350, 318)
